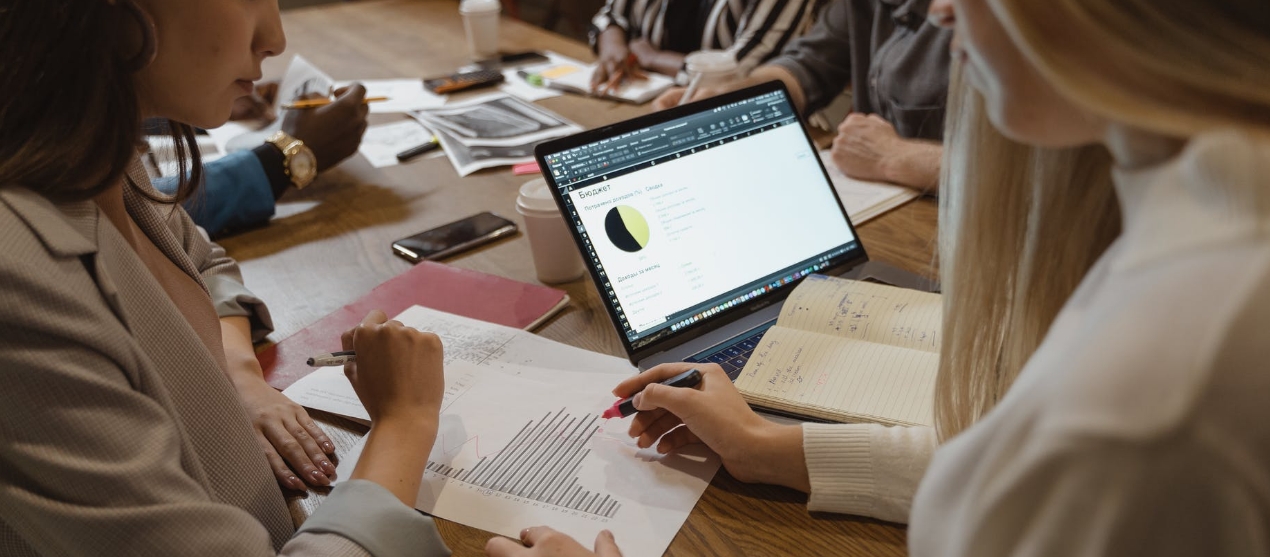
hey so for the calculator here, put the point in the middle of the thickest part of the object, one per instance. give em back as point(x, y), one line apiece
point(463, 81)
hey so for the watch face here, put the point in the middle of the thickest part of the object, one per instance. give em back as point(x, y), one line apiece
point(303, 165)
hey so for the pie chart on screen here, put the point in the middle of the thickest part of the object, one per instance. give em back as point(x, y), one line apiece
point(626, 228)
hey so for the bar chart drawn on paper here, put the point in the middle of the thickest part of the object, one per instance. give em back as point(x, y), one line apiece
point(519, 447)
point(540, 464)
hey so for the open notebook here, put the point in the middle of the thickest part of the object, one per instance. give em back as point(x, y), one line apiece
point(577, 77)
point(849, 351)
point(863, 199)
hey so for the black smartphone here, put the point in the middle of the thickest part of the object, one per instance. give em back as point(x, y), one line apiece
point(458, 236)
point(513, 60)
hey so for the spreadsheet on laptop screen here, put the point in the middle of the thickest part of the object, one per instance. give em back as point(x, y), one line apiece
point(687, 218)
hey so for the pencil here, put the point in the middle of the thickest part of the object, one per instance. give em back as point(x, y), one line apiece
point(314, 103)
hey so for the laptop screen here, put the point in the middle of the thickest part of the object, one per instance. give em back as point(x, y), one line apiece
point(697, 214)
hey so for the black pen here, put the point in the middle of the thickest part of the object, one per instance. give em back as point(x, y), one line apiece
point(333, 359)
point(626, 407)
point(416, 151)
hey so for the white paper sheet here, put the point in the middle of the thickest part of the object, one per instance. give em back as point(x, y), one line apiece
point(513, 452)
point(465, 340)
point(381, 143)
point(404, 95)
point(478, 342)
point(328, 390)
point(865, 200)
point(302, 78)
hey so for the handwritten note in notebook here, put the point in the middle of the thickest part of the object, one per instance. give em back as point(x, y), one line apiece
point(849, 351)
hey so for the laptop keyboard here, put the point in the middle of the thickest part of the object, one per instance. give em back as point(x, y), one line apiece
point(731, 355)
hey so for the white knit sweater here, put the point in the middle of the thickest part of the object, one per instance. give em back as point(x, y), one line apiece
point(1141, 426)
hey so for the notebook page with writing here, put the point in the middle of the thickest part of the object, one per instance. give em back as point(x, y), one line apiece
point(865, 311)
point(848, 351)
point(840, 380)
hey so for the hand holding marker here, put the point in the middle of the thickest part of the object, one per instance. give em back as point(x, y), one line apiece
point(626, 407)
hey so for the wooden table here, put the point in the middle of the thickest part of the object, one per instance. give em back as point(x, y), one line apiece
point(330, 244)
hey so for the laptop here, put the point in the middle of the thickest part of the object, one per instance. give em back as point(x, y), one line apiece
point(697, 222)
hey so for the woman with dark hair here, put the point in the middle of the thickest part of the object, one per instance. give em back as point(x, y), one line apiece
point(120, 430)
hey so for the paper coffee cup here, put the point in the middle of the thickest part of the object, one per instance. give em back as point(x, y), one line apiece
point(480, 20)
point(556, 256)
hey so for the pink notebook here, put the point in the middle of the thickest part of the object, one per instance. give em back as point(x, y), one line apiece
point(441, 287)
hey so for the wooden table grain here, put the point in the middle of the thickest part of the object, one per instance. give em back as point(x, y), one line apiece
point(329, 245)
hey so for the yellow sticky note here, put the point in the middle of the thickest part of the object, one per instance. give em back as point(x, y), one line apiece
point(557, 72)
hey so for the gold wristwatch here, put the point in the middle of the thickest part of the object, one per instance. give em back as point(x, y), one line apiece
point(298, 160)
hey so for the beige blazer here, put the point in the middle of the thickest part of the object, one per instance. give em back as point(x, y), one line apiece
point(119, 434)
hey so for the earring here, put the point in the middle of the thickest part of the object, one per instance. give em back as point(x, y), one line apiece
point(149, 40)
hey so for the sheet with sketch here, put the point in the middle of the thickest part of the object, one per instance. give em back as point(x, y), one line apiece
point(520, 447)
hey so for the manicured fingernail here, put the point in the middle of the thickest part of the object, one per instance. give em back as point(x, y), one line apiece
point(327, 446)
point(319, 476)
point(327, 467)
point(294, 482)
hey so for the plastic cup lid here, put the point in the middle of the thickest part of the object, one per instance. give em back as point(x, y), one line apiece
point(710, 61)
point(535, 196)
point(479, 6)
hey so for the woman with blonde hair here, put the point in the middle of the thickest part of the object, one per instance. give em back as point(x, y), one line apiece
point(1106, 275)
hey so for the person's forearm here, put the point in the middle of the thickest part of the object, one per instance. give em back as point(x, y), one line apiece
point(779, 457)
point(395, 455)
point(915, 166)
point(240, 354)
point(611, 39)
point(769, 72)
point(666, 62)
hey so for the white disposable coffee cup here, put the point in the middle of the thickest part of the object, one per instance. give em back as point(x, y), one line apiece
point(710, 68)
point(480, 20)
point(556, 256)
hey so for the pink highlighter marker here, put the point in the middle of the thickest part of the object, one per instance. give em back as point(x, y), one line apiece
point(625, 407)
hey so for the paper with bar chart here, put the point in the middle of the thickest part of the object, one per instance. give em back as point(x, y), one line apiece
point(520, 447)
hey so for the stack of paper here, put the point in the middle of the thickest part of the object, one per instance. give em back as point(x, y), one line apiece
point(492, 130)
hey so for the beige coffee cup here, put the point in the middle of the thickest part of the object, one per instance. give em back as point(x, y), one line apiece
point(556, 256)
point(480, 20)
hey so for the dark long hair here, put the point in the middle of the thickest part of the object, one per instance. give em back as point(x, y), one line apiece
point(70, 123)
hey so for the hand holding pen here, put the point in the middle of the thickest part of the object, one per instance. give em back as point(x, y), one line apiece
point(713, 412)
point(334, 131)
point(398, 372)
point(610, 74)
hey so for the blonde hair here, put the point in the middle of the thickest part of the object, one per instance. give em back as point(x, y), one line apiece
point(1021, 226)
point(1174, 67)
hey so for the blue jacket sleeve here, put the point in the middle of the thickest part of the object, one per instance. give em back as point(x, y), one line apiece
point(235, 194)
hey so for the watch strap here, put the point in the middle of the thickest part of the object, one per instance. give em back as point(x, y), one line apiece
point(272, 160)
point(288, 146)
